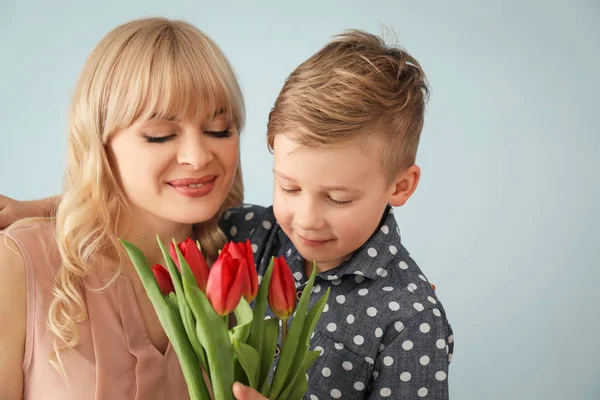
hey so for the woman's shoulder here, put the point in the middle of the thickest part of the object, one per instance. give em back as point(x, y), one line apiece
point(31, 231)
point(30, 226)
point(33, 242)
point(13, 308)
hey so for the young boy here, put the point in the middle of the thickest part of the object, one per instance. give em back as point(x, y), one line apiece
point(344, 132)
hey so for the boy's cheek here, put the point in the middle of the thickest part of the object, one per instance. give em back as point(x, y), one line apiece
point(283, 209)
point(280, 209)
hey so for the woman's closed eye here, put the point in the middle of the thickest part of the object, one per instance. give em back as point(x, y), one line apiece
point(219, 134)
point(158, 138)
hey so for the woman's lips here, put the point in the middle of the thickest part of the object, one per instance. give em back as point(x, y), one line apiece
point(193, 187)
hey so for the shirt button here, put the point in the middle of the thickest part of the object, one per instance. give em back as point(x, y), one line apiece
point(299, 294)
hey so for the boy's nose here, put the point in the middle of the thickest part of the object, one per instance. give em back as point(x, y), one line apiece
point(308, 216)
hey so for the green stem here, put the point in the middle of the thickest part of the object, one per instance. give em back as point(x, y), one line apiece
point(284, 330)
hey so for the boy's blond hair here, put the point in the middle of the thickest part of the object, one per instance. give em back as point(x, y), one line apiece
point(356, 87)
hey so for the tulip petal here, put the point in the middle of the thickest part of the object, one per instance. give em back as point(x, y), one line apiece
point(251, 271)
point(289, 285)
point(163, 279)
point(173, 254)
point(222, 288)
point(194, 258)
point(235, 290)
point(214, 290)
point(282, 290)
point(237, 250)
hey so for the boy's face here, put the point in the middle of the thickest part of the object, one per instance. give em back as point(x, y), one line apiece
point(329, 201)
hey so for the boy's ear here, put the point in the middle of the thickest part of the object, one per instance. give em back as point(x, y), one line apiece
point(404, 185)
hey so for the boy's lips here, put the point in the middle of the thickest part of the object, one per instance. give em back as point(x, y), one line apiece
point(313, 242)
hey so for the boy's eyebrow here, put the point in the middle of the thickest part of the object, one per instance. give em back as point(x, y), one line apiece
point(282, 175)
point(334, 188)
point(340, 189)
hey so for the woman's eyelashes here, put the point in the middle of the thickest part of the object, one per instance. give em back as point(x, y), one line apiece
point(219, 134)
point(165, 138)
point(158, 138)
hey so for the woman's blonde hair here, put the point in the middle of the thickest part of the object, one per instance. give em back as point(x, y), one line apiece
point(144, 69)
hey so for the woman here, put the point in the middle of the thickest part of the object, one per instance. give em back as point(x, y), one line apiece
point(153, 148)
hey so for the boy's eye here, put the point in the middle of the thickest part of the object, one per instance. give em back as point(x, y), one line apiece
point(219, 134)
point(291, 191)
point(158, 139)
point(340, 202)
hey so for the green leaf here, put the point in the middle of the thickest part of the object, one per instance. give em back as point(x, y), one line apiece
point(249, 360)
point(240, 374)
point(313, 316)
point(172, 324)
point(260, 307)
point(214, 334)
point(269, 345)
point(303, 346)
point(286, 367)
point(186, 314)
point(243, 316)
point(173, 302)
point(266, 387)
point(299, 384)
point(304, 342)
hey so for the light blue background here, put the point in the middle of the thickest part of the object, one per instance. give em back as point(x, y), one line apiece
point(504, 221)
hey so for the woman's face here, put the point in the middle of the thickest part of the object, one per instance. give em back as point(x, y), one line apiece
point(176, 171)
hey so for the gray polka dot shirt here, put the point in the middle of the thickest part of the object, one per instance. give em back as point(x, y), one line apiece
point(383, 333)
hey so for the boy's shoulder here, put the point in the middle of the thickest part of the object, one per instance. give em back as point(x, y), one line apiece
point(239, 223)
point(387, 267)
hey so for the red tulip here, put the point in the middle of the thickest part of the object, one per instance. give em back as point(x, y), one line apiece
point(282, 289)
point(195, 260)
point(226, 281)
point(163, 278)
point(243, 252)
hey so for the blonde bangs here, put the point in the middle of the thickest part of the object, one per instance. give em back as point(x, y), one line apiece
point(172, 73)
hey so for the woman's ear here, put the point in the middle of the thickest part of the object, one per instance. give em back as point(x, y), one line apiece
point(404, 185)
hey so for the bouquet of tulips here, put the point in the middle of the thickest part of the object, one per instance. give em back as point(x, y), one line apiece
point(194, 304)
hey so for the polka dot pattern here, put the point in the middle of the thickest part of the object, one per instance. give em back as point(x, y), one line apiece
point(383, 327)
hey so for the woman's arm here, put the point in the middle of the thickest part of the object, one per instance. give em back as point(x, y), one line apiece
point(13, 319)
point(12, 210)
